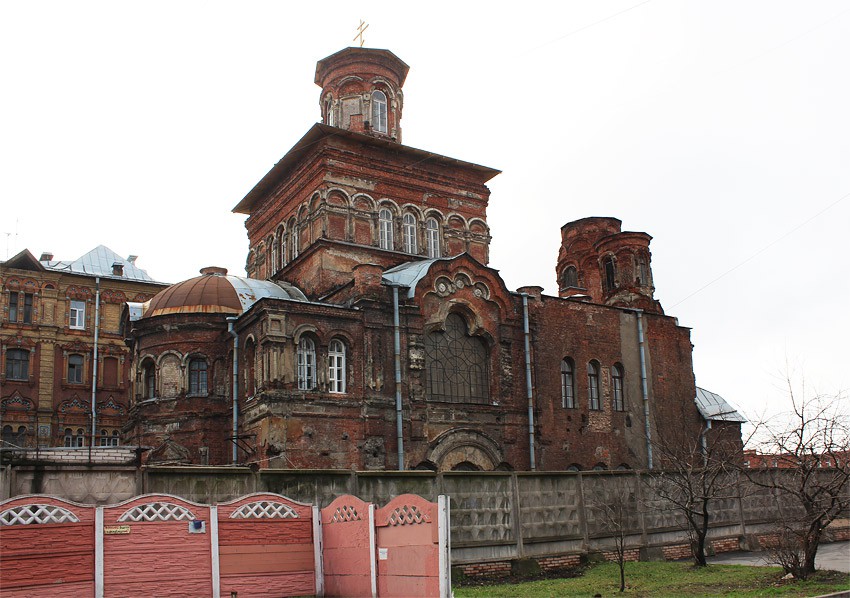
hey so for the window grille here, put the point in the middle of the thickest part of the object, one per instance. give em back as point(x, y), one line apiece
point(264, 509)
point(157, 511)
point(36, 514)
point(456, 364)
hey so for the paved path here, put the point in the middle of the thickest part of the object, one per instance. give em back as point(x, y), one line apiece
point(835, 555)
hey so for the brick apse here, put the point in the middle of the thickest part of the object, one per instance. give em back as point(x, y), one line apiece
point(371, 333)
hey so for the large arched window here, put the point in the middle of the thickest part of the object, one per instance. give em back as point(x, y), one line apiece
point(283, 237)
point(198, 377)
point(618, 403)
point(75, 369)
point(294, 241)
point(568, 387)
point(17, 364)
point(379, 111)
point(409, 229)
point(306, 364)
point(593, 385)
point(456, 364)
point(432, 234)
point(569, 278)
point(336, 366)
point(75, 440)
point(385, 228)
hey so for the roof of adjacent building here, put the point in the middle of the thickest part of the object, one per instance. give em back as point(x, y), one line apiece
point(321, 131)
point(99, 262)
point(713, 407)
point(407, 275)
point(216, 293)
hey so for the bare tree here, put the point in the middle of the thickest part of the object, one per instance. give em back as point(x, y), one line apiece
point(811, 482)
point(696, 473)
point(616, 512)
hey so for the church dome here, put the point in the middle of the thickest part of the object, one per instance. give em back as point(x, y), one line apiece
point(214, 292)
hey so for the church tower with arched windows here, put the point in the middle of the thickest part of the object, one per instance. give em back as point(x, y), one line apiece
point(350, 193)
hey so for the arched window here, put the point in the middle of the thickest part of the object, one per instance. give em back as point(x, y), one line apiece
point(409, 229)
point(21, 438)
point(116, 438)
point(385, 228)
point(618, 403)
point(568, 389)
point(8, 436)
point(17, 364)
point(306, 364)
point(148, 379)
point(295, 241)
point(379, 111)
point(76, 440)
point(198, 377)
point(75, 369)
point(432, 234)
point(283, 238)
point(104, 438)
point(329, 112)
point(456, 364)
point(643, 271)
point(593, 385)
point(336, 366)
point(69, 437)
point(570, 277)
point(275, 265)
point(610, 274)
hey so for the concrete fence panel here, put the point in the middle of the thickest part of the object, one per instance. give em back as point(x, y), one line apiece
point(46, 547)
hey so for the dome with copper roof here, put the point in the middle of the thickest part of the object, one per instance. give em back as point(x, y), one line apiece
point(214, 292)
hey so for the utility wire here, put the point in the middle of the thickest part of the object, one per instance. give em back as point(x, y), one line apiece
point(762, 250)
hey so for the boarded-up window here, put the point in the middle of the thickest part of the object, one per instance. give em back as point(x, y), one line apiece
point(169, 373)
point(456, 364)
point(110, 372)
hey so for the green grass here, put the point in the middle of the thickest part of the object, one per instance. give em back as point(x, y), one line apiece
point(673, 580)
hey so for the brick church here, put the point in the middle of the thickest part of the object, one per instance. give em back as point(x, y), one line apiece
point(371, 332)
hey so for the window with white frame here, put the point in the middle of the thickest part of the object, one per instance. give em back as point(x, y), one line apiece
point(568, 388)
point(336, 366)
point(593, 385)
point(295, 242)
point(107, 439)
point(408, 226)
point(379, 111)
point(385, 228)
point(75, 369)
point(618, 403)
point(77, 319)
point(77, 439)
point(198, 377)
point(306, 364)
point(432, 237)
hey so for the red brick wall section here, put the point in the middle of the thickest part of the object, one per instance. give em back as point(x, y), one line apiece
point(726, 545)
point(491, 569)
point(630, 554)
point(676, 552)
point(563, 561)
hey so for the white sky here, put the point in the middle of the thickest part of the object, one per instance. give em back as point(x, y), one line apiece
point(721, 128)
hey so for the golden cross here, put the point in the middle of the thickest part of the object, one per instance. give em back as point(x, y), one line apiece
point(360, 29)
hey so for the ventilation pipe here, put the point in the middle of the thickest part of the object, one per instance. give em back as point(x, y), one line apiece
point(644, 389)
point(94, 365)
point(397, 351)
point(235, 392)
point(528, 388)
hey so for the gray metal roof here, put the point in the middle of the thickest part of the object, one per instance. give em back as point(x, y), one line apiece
point(98, 262)
point(408, 274)
point(251, 290)
point(713, 407)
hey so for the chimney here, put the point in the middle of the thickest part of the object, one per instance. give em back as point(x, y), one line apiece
point(46, 257)
point(117, 269)
point(214, 271)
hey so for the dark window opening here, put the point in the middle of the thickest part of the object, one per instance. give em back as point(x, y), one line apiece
point(198, 377)
point(610, 274)
point(593, 385)
point(17, 364)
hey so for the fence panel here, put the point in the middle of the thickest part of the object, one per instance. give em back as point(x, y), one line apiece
point(266, 547)
point(408, 542)
point(47, 547)
point(156, 545)
point(348, 531)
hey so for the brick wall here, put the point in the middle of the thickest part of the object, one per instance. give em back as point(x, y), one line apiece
point(487, 570)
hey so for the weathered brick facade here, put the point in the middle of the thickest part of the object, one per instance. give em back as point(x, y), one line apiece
point(381, 244)
point(47, 347)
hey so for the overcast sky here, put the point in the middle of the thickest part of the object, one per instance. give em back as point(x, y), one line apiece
point(720, 128)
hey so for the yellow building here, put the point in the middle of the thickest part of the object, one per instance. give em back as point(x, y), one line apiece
point(59, 332)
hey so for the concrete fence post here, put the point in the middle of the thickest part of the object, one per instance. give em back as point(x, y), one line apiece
point(582, 515)
point(516, 513)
